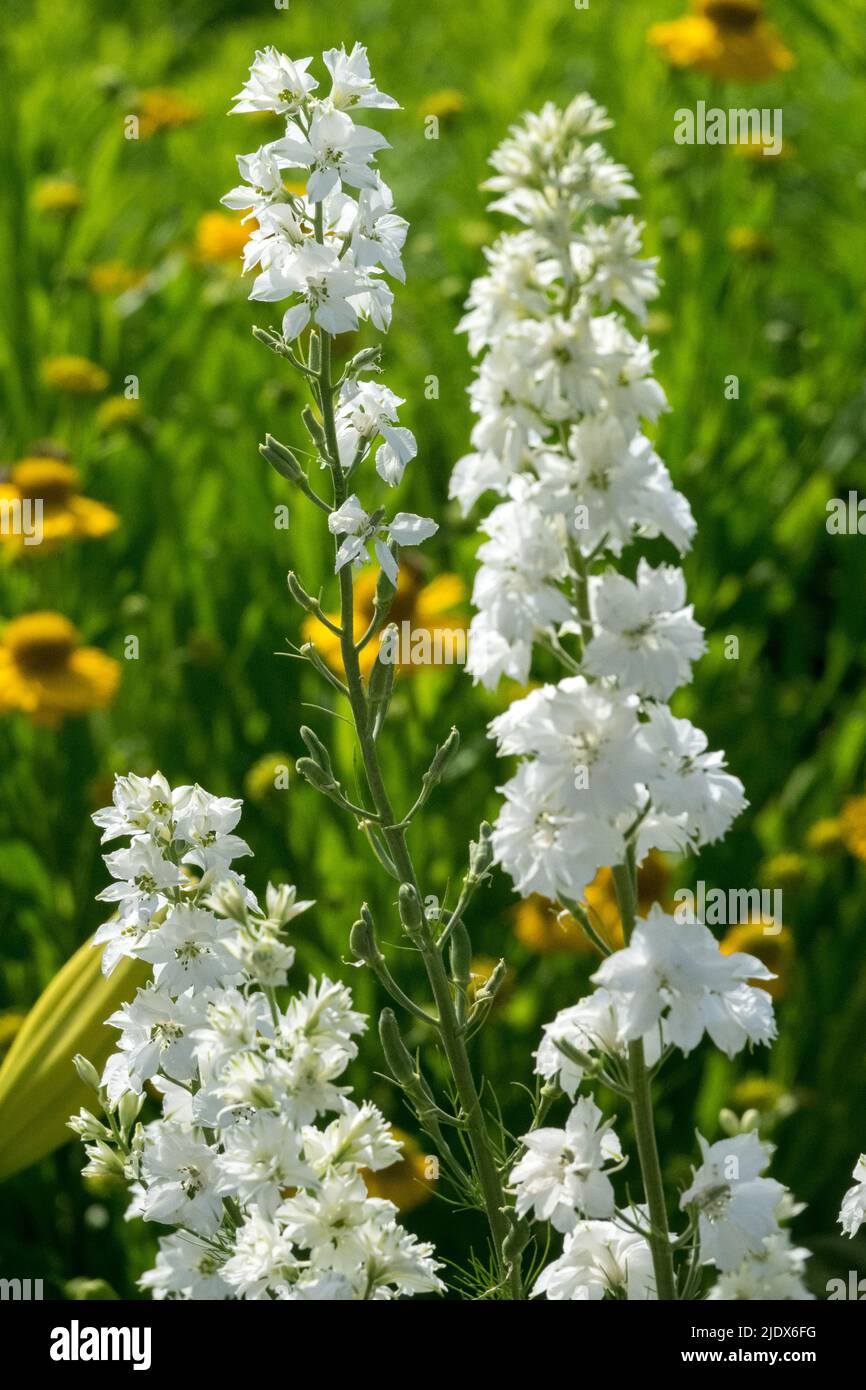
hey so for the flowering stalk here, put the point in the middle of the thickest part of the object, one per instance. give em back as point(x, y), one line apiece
point(606, 773)
point(327, 253)
point(266, 1201)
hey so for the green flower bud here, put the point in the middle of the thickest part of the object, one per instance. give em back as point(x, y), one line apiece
point(411, 914)
point(86, 1072)
point(317, 751)
point(397, 1055)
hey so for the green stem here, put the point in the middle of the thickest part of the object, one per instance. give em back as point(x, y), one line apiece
point(394, 834)
point(625, 879)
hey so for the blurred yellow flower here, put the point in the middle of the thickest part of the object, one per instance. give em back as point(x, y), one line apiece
point(117, 413)
point(66, 515)
point(267, 777)
point(853, 819)
point(542, 926)
point(57, 197)
point(162, 108)
point(745, 241)
point(77, 375)
point(784, 870)
point(480, 970)
point(826, 835)
point(220, 237)
point(728, 38)
point(445, 104)
point(759, 1093)
point(46, 674)
point(425, 607)
point(112, 277)
point(754, 150)
point(406, 1183)
point(776, 952)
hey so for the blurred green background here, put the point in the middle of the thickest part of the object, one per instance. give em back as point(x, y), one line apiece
point(115, 250)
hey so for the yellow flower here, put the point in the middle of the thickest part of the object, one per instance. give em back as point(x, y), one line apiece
point(112, 277)
point(826, 835)
point(46, 673)
point(57, 197)
point(728, 38)
point(406, 1183)
point(161, 108)
point(754, 150)
point(220, 237)
point(542, 926)
point(78, 375)
point(784, 870)
point(117, 413)
point(425, 607)
point(853, 820)
point(776, 952)
point(746, 241)
point(267, 777)
point(445, 104)
point(66, 515)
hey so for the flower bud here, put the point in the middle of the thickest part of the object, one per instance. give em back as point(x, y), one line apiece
point(86, 1072)
point(317, 750)
point(481, 852)
point(281, 459)
point(411, 914)
point(315, 431)
point(362, 940)
point(460, 954)
point(442, 757)
point(397, 1055)
point(129, 1109)
point(317, 776)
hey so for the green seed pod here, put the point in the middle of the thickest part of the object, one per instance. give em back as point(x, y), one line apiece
point(315, 358)
point(442, 757)
point(380, 687)
point(481, 852)
point(317, 750)
point(492, 984)
point(397, 1055)
point(299, 593)
point(460, 954)
point(315, 775)
point(362, 941)
point(315, 431)
point(282, 459)
point(411, 914)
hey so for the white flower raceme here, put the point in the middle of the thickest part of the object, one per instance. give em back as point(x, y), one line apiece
point(601, 1259)
point(735, 1206)
point(563, 1172)
point(645, 635)
point(674, 974)
point(252, 1105)
point(324, 255)
point(853, 1212)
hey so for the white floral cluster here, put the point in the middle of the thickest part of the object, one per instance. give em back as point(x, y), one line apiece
point(327, 252)
point(257, 1159)
point(606, 771)
point(560, 394)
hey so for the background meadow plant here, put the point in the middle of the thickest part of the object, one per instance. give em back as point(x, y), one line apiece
point(111, 253)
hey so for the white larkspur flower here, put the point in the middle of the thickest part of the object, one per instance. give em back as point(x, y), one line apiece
point(853, 1212)
point(592, 1026)
point(276, 83)
point(262, 185)
point(648, 638)
point(361, 1136)
point(156, 1035)
point(143, 876)
point(351, 520)
point(190, 951)
point(675, 974)
point(186, 1268)
point(601, 1259)
point(178, 1181)
point(773, 1274)
point(323, 283)
point(263, 1261)
point(353, 84)
point(689, 780)
point(562, 1174)
point(261, 1157)
point(366, 411)
point(139, 804)
point(736, 1207)
point(334, 149)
